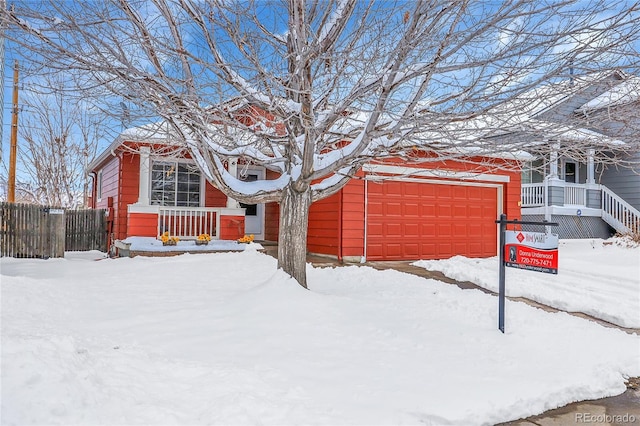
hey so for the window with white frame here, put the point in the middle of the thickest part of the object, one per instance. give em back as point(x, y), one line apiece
point(175, 184)
point(99, 185)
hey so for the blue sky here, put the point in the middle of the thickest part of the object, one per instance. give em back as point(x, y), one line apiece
point(266, 15)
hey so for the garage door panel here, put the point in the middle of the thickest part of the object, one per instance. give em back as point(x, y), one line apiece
point(460, 192)
point(444, 210)
point(460, 211)
point(393, 250)
point(444, 230)
point(474, 230)
point(411, 229)
point(411, 220)
point(475, 248)
point(460, 247)
point(393, 187)
point(375, 250)
point(375, 228)
point(428, 247)
point(475, 211)
point(412, 189)
point(411, 250)
point(427, 192)
point(393, 230)
point(476, 193)
point(460, 228)
point(375, 208)
point(393, 209)
point(427, 210)
point(412, 209)
point(375, 189)
point(427, 229)
point(444, 250)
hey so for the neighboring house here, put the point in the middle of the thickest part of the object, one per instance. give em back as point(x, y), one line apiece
point(586, 197)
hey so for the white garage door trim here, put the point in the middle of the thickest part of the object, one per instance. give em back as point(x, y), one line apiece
point(433, 173)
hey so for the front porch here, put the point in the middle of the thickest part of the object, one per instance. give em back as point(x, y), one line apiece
point(555, 197)
point(185, 223)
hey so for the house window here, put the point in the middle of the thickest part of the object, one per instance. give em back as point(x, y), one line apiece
point(99, 185)
point(175, 184)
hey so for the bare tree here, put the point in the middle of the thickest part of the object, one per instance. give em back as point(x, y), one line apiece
point(337, 82)
point(59, 135)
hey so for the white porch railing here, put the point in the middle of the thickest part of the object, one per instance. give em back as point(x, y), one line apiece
point(622, 216)
point(189, 222)
point(618, 213)
point(575, 194)
point(532, 194)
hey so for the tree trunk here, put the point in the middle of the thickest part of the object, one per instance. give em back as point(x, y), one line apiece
point(292, 237)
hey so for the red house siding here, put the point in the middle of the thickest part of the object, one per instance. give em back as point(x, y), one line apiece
point(323, 232)
point(142, 224)
point(110, 176)
point(271, 214)
point(129, 190)
point(271, 221)
point(353, 218)
point(231, 227)
point(213, 197)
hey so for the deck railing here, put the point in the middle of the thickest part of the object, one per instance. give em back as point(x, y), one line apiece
point(618, 213)
point(532, 194)
point(575, 194)
point(622, 216)
point(189, 222)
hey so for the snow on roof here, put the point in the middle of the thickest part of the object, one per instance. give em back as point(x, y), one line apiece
point(157, 130)
point(626, 92)
point(458, 137)
point(520, 116)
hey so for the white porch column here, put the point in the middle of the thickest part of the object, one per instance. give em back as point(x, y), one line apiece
point(232, 168)
point(591, 170)
point(553, 161)
point(145, 171)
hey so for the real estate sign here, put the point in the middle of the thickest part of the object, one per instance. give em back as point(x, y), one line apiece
point(535, 251)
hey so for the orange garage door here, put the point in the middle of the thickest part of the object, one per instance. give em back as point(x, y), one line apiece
point(415, 220)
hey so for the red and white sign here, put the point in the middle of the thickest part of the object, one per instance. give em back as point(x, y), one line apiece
point(535, 251)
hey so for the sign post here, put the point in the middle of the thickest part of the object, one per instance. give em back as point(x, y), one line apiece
point(525, 250)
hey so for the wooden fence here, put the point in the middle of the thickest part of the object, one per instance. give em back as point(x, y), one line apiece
point(35, 231)
point(86, 230)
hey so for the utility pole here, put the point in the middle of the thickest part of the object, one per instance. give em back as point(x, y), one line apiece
point(3, 7)
point(13, 150)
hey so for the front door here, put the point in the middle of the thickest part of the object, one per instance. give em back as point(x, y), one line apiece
point(254, 213)
point(570, 172)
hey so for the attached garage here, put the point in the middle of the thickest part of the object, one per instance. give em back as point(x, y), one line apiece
point(430, 219)
point(432, 210)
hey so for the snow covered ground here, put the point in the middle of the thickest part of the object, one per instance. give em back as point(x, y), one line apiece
point(596, 277)
point(228, 339)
